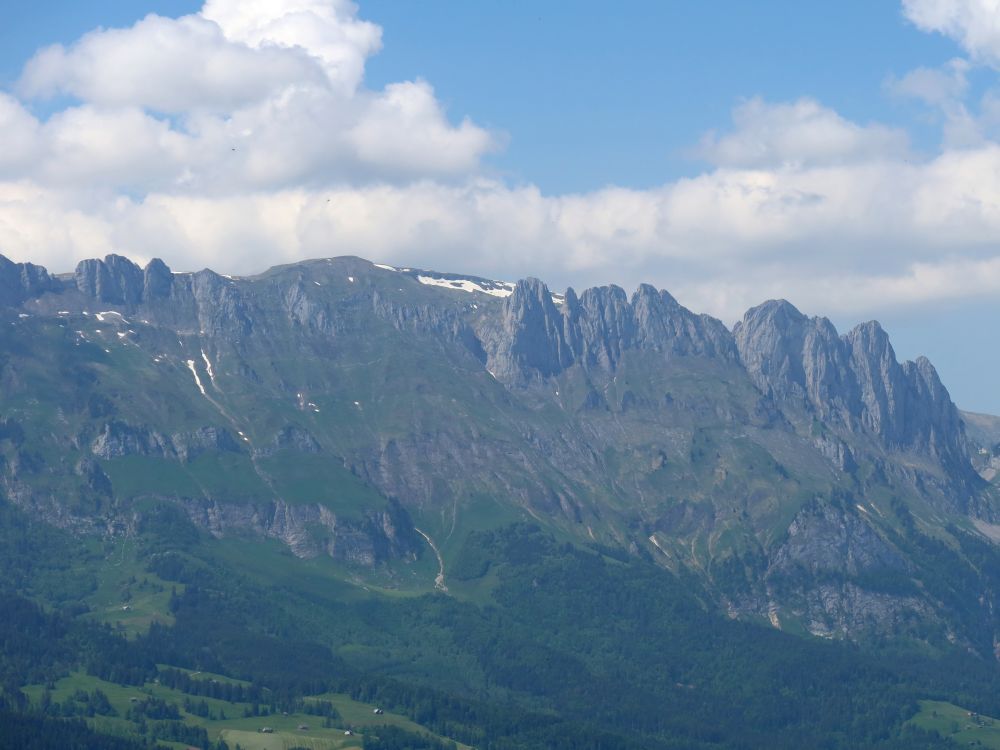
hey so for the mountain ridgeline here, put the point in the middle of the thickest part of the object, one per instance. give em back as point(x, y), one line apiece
point(384, 417)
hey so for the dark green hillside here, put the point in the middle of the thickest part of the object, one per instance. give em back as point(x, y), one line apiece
point(574, 649)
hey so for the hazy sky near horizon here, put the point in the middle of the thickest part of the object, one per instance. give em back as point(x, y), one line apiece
point(843, 156)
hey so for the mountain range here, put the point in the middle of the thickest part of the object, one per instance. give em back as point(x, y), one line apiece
point(387, 421)
point(364, 412)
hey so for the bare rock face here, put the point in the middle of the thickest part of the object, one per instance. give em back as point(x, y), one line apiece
point(826, 539)
point(94, 475)
point(932, 422)
point(791, 356)
point(157, 280)
point(312, 530)
point(204, 299)
point(190, 445)
point(605, 327)
point(115, 280)
point(662, 324)
point(23, 281)
point(847, 609)
point(293, 438)
point(221, 309)
point(817, 576)
point(118, 439)
point(852, 381)
point(528, 339)
point(535, 338)
point(882, 384)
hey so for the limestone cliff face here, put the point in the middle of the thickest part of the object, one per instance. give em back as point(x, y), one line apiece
point(817, 577)
point(204, 301)
point(853, 382)
point(115, 280)
point(791, 356)
point(528, 338)
point(313, 530)
point(534, 337)
point(23, 281)
point(662, 324)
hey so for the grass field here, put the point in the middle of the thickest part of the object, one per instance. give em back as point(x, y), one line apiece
point(252, 740)
point(128, 595)
point(957, 724)
point(235, 728)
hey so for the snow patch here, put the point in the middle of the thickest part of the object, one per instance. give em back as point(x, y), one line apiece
point(656, 544)
point(197, 380)
point(991, 531)
point(100, 315)
point(484, 286)
point(351, 279)
point(502, 288)
point(384, 267)
point(23, 315)
point(208, 367)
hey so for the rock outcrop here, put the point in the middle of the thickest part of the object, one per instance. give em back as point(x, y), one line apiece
point(852, 382)
point(313, 530)
point(20, 282)
point(536, 338)
point(114, 281)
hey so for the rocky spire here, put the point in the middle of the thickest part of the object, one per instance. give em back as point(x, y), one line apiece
point(23, 281)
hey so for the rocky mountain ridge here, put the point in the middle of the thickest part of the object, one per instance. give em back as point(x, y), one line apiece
point(338, 406)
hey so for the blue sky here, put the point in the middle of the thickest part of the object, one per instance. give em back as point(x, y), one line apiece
point(843, 156)
point(600, 93)
point(619, 92)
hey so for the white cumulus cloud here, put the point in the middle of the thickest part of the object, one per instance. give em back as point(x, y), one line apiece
point(799, 133)
point(975, 24)
point(328, 30)
point(245, 94)
point(167, 65)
